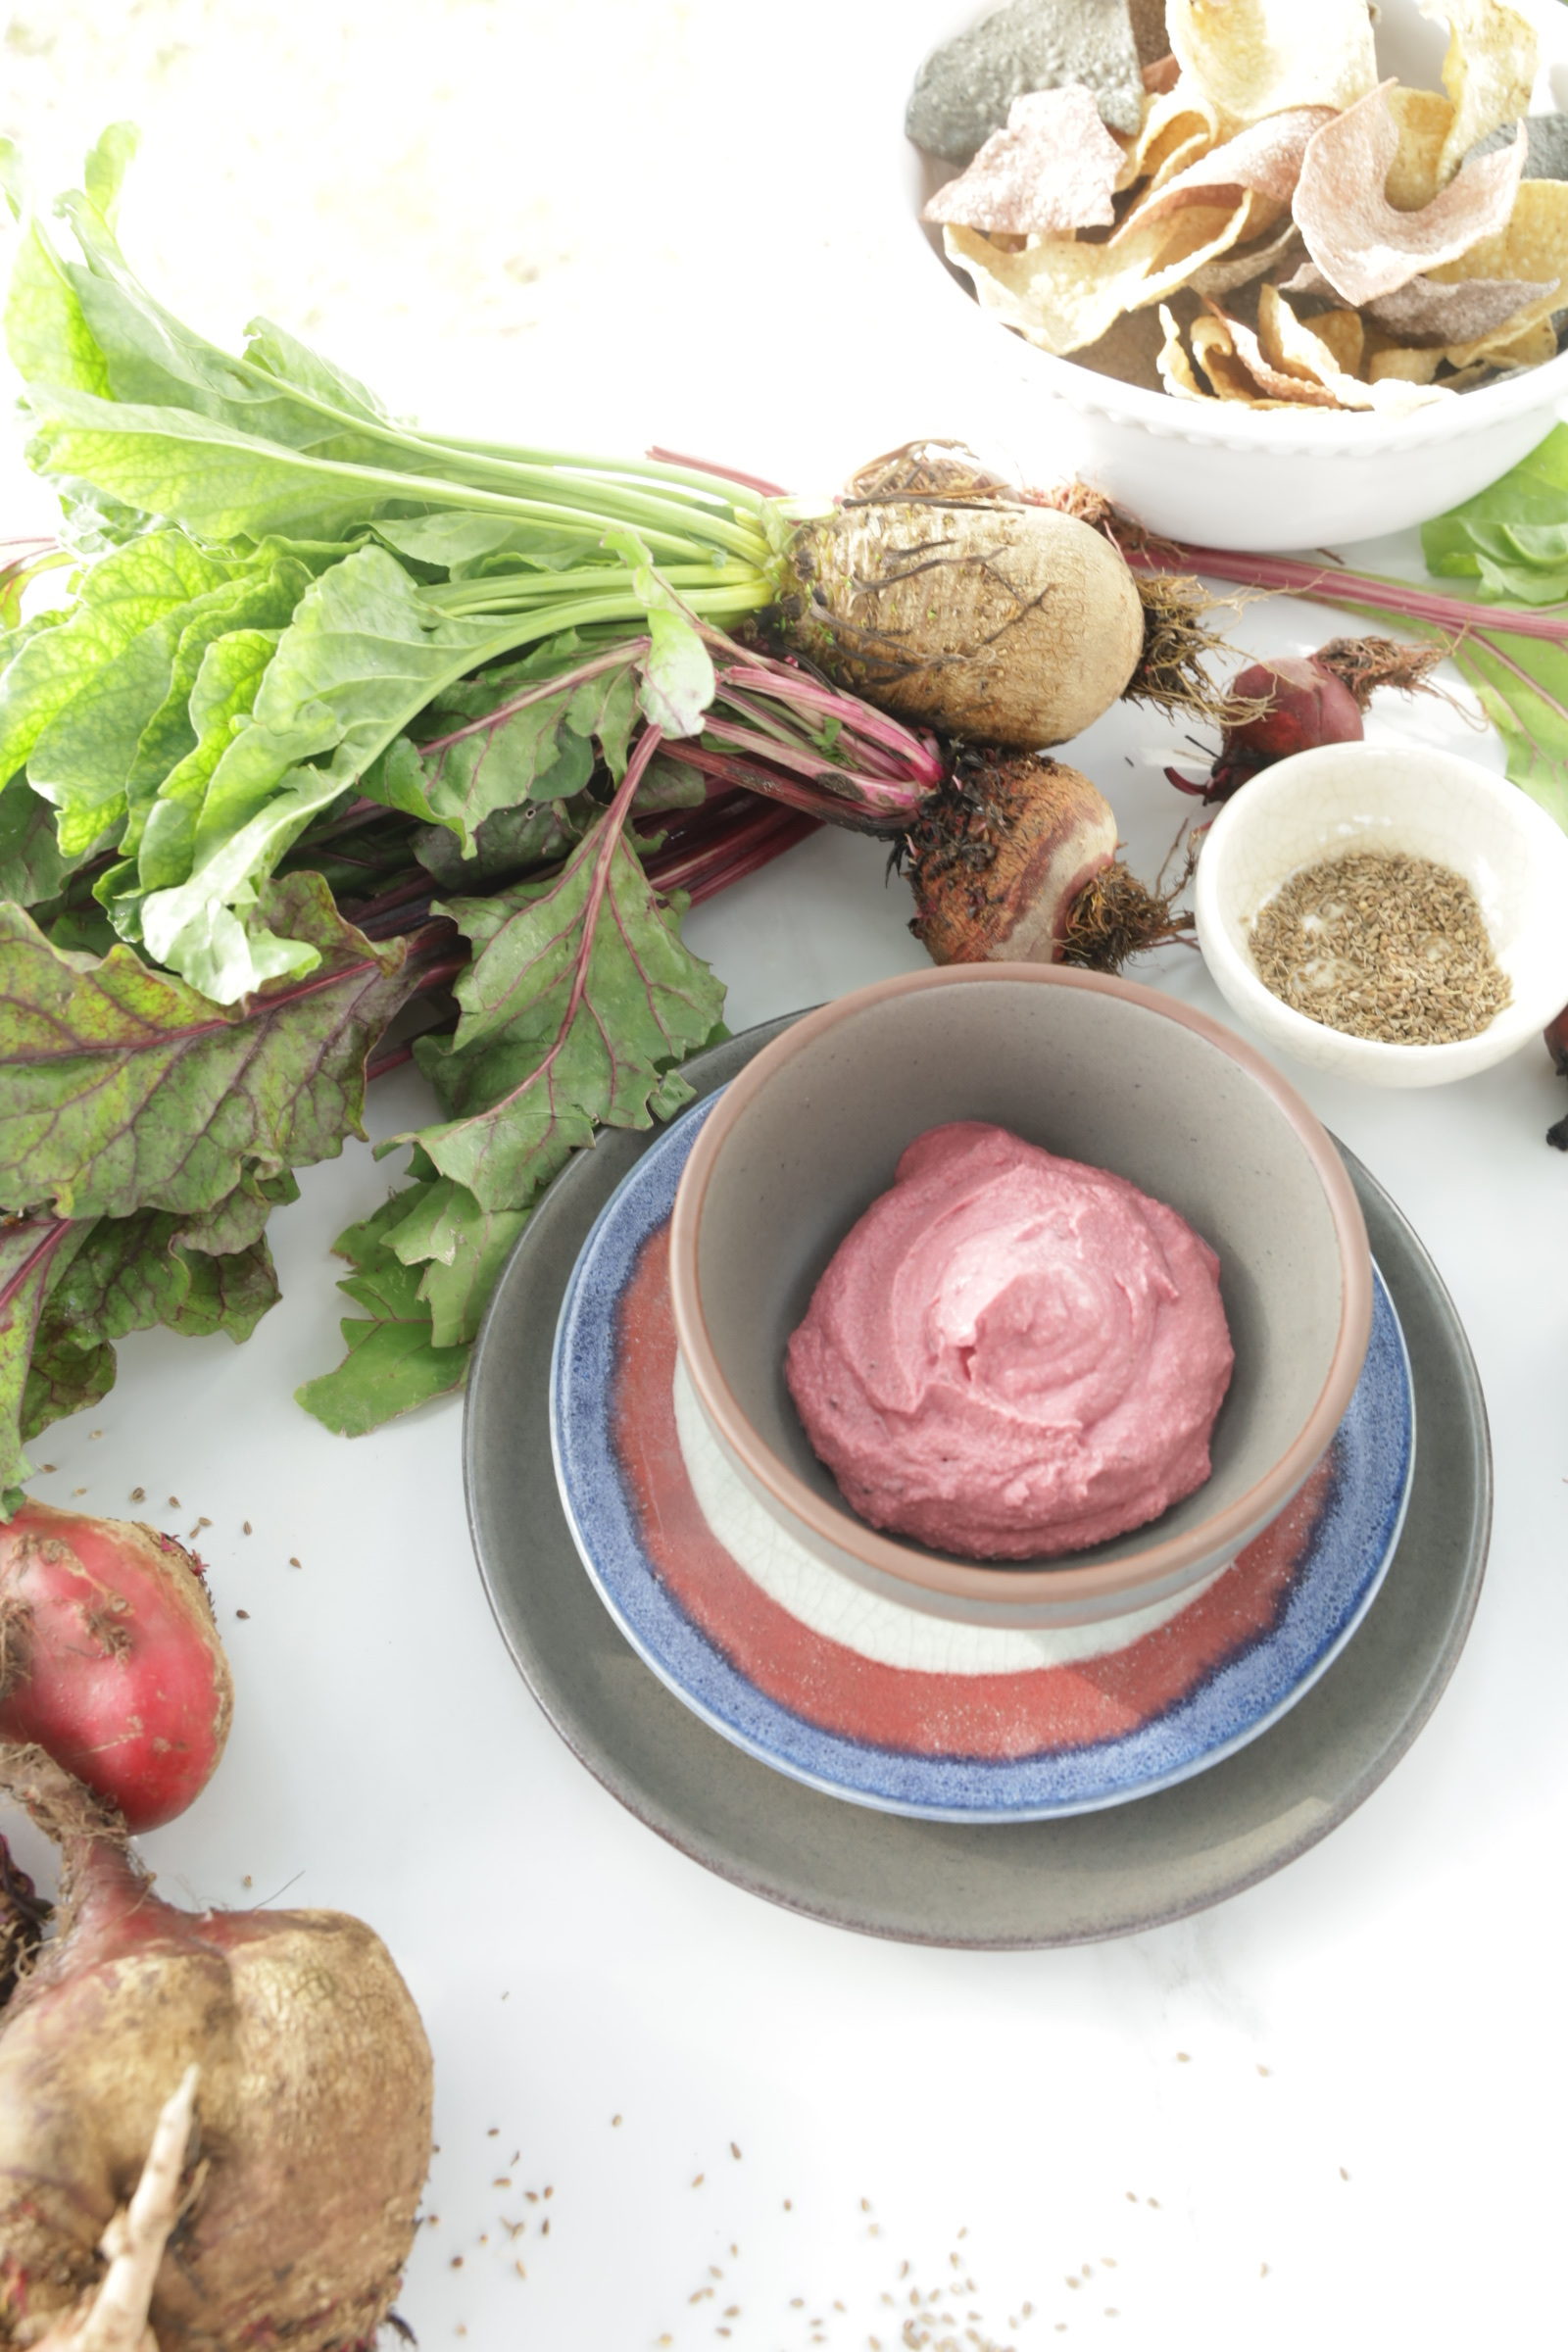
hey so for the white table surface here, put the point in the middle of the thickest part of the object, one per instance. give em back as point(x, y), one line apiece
point(1322, 2112)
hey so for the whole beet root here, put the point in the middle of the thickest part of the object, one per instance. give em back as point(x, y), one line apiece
point(110, 1658)
point(1301, 702)
point(311, 2118)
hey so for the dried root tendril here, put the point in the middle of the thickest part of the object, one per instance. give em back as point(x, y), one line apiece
point(1364, 664)
point(959, 826)
point(1117, 918)
point(885, 656)
point(23, 1915)
point(1102, 514)
point(1171, 672)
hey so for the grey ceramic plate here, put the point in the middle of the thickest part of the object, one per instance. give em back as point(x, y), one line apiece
point(1000, 1887)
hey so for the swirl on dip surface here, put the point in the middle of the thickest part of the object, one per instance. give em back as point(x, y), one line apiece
point(1010, 1354)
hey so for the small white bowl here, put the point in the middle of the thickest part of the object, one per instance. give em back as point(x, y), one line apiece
point(1395, 797)
point(1214, 473)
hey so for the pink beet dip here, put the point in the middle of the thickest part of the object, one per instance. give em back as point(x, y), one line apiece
point(1010, 1354)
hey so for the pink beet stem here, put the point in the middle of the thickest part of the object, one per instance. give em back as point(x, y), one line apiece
point(627, 651)
point(722, 473)
point(1332, 584)
point(51, 1233)
point(916, 754)
point(762, 837)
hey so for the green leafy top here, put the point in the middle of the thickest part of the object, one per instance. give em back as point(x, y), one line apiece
point(580, 1000)
point(275, 618)
point(126, 1090)
point(1512, 536)
point(306, 648)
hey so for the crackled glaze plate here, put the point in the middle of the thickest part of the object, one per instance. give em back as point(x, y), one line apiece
point(1006, 1885)
point(882, 1704)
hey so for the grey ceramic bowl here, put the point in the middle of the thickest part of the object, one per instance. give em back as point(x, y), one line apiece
point(1099, 1070)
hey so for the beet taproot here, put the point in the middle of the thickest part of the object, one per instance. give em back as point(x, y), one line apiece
point(114, 2317)
point(313, 2117)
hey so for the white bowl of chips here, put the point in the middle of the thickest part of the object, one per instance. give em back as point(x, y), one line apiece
point(1195, 351)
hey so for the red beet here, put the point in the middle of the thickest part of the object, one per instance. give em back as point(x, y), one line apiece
point(110, 1658)
point(311, 2120)
point(1307, 705)
point(1012, 859)
point(1308, 701)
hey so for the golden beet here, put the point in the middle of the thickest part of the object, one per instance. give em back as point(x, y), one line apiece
point(312, 2113)
point(1001, 623)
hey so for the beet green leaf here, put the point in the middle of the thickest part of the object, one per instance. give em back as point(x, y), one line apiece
point(392, 1362)
point(34, 1252)
point(582, 999)
point(125, 1090)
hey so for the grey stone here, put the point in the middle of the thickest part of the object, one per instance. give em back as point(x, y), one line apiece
point(1548, 158)
point(964, 90)
point(1148, 30)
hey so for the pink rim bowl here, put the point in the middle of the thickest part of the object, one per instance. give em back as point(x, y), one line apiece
point(1101, 1070)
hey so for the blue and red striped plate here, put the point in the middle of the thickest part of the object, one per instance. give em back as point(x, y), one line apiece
point(885, 1706)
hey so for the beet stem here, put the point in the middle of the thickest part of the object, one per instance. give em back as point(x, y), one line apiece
point(89, 1834)
point(1335, 584)
point(396, 1055)
point(703, 873)
point(722, 473)
point(701, 869)
point(918, 754)
point(627, 649)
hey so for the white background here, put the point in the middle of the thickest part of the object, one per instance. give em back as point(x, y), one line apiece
point(1324, 2111)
